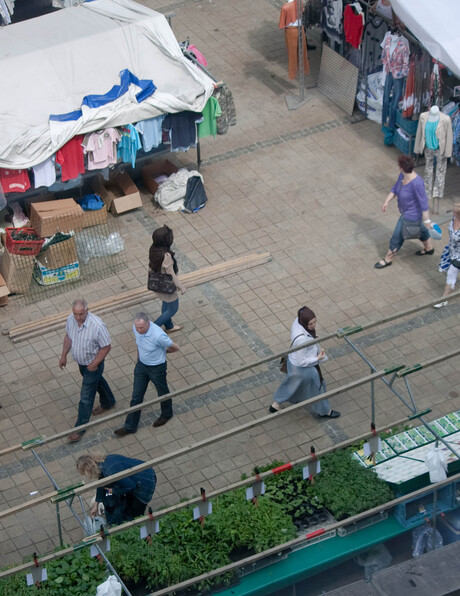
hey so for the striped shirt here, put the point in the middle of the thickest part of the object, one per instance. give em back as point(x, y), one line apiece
point(88, 339)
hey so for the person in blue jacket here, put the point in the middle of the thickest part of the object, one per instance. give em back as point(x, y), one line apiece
point(123, 499)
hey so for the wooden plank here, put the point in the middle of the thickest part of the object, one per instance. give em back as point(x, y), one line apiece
point(131, 297)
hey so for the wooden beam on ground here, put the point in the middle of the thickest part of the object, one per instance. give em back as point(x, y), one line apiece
point(132, 297)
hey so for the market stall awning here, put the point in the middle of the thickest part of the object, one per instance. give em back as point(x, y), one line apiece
point(436, 24)
point(114, 49)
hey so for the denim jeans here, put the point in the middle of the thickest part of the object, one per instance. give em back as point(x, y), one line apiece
point(168, 310)
point(397, 239)
point(93, 382)
point(142, 375)
point(389, 109)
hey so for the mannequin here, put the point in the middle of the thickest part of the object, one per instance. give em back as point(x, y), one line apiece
point(289, 21)
point(434, 138)
point(395, 58)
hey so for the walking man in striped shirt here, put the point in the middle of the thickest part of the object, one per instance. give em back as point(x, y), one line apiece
point(88, 341)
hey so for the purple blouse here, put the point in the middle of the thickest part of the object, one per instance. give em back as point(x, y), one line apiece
point(412, 199)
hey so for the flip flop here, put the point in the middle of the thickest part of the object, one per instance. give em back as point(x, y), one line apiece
point(379, 265)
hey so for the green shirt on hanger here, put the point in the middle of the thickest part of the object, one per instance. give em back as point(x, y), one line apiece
point(209, 125)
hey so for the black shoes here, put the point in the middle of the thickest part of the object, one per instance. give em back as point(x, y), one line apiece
point(122, 432)
point(332, 414)
point(160, 421)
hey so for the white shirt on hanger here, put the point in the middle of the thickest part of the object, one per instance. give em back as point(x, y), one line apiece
point(45, 173)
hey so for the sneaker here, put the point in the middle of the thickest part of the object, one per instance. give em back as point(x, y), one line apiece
point(441, 304)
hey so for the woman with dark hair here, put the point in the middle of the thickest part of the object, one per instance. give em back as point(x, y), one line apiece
point(162, 260)
point(304, 378)
point(123, 499)
point(413, 206)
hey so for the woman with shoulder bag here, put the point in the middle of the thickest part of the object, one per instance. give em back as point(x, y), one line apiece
point(454, 254)
point(413, 206)
point(163, 261)
point(304, 379)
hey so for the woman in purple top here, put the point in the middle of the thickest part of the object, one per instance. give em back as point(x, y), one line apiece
point(413, 206)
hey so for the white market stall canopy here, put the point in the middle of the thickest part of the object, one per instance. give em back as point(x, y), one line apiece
point(436, 24)
point(101, 64)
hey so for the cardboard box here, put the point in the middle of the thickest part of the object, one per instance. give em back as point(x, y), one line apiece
point(120, 194)
point(4, 291)
point(48, 277)
point(59, 255)
point(37, 199)
point(17, 271)
point(62, 215)
point(160, 167)
point(95, 218)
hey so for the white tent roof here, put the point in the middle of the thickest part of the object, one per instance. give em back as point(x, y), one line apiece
point(49, 64)
point(436, 24)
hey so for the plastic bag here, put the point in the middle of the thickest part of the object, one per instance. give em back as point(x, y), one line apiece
point(90, 245)
point(422, 540)
point(111, 587)
point(374, 560)
point(92, 525)
point(436, 463)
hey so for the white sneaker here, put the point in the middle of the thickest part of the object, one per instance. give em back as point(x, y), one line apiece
point(441, 304)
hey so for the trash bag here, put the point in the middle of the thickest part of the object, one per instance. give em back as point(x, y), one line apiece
point(90, 245)
point(422, 540)
point(195, 195)
point(374, 559)
point(111, 587)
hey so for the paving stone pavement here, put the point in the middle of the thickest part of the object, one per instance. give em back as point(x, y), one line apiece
point(305, 185)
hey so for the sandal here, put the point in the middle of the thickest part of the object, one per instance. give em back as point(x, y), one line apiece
point(422, 253)
point(380, 265)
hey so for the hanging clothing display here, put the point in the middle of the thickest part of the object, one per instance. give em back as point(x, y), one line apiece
point(70, 158)
point(422, 83)
point(5, 18)
point(331, 20)
point(456, 138)
point(227, 105)
point(353, 24)
point(181, 129)
point(374, 32)
point(409, 94)
point(151, 132)
point(289, 20)
point(312, 13)
point(101, 148)
point(14, 180)
point(211, 112)
point(395, 58)
point(129, 144)
point(45, 173)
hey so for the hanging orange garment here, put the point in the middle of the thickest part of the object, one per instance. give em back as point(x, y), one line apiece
point(409, 95)
point(288, 16)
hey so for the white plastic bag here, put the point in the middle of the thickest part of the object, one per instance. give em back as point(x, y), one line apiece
point(91, 245)
point(436, 464)
point(111, 587)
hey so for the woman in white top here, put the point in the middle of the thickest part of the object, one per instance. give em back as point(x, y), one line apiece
point(454, 255)
point(162, 259)
point(304, 379)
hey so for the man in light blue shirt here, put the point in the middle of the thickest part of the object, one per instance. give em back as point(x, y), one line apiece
point(152, 346)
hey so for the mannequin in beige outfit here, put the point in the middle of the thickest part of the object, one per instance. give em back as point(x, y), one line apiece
point(424, 144)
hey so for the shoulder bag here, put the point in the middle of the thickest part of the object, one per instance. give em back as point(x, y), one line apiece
point(283, 361)
point(161, 282)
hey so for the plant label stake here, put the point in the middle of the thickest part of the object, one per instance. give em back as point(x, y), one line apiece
point(257, 489)
point(152, 526)
point(312, 468)
point(373, 445)
point(203, 509)
point(38, 574)
point(104, 546)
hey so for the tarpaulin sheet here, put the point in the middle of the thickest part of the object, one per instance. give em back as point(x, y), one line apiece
point(48, 66)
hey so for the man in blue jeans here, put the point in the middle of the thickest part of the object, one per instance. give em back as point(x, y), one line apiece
point(152, 346)
point(89, 342)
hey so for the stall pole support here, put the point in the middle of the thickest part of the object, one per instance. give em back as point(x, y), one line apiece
point(435, 507)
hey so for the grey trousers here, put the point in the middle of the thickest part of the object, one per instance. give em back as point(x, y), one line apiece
point(436, 190)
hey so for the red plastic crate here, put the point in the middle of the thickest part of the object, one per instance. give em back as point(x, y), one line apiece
point(23, 247)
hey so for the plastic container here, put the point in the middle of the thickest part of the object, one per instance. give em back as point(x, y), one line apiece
point(23, 247)
point(449, 526)
point(410, 126)
point(435, 232)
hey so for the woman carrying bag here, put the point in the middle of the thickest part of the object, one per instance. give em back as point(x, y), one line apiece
point(163, 278)
point(304, 378)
